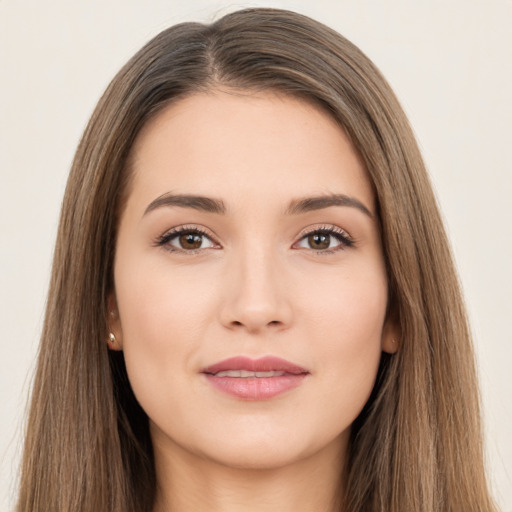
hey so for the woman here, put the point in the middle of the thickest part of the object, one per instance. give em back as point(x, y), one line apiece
point(253, 302)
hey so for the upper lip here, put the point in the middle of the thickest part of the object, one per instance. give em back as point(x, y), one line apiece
point(262, 364)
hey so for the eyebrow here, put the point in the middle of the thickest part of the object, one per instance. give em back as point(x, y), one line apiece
point(297, 206)
point(205, 204)
point(309, 204)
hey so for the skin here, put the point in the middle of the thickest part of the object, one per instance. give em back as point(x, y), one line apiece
point(254, 287)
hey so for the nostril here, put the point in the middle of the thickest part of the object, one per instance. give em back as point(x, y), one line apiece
point(237, 323)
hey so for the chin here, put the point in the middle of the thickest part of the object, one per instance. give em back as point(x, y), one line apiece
point(256, 458)
point(268, 452)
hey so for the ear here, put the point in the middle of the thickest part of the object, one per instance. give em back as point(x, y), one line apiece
point(390, 335)
point(115, 332)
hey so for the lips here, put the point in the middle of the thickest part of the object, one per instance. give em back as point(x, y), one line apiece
point(255, 379)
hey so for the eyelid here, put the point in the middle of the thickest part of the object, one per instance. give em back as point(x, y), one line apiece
point(346, 240)
point(162, 240)
point(342, 235)
point(323, 227)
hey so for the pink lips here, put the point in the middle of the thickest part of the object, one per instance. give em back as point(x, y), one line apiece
point(272, 376)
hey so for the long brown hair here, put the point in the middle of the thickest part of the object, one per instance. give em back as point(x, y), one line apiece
point(417, 444)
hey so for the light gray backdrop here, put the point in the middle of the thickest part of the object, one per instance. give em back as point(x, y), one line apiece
point(450, 63)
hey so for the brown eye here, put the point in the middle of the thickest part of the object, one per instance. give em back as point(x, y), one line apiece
point(190, 241)
point(187, 240)
point(325, 240)
point(319, 241)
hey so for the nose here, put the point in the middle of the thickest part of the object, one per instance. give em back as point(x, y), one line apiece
point(257, 297)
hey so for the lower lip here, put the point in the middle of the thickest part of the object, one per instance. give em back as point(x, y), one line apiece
point(254, 388)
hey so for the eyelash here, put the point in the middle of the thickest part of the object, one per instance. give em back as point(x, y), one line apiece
point(339, 234)
point(163, 241)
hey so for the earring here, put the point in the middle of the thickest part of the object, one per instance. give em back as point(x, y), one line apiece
point(111, 338)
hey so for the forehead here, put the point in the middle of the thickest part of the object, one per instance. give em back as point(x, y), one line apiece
point(244, 146)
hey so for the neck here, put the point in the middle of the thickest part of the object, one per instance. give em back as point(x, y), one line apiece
point(186, 483)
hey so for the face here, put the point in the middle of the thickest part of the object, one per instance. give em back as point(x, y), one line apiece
point(250, 285)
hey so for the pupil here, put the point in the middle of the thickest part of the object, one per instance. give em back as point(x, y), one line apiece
point(319, 241)
point(191, 241)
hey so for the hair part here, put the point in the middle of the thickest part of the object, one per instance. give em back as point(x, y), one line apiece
point(417, 443)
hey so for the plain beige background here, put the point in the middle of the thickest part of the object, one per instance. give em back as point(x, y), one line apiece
point(450, 63)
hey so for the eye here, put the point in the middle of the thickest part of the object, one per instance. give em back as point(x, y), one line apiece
point(186, 240)
point(327, 240)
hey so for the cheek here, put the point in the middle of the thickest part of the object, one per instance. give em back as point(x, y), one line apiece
point(155, 304)
point(346, 318)
point(163, 318)
point(348, 305)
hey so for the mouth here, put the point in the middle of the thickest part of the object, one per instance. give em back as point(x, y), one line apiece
point(245, 374)
point(255, 379)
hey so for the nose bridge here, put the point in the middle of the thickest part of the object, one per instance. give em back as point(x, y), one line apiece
point(257, 295)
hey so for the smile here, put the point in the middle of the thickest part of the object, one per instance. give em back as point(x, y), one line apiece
point(255, 379)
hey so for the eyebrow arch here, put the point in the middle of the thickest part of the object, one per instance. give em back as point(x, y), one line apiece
point(297, 206)
point(309, 204)
point(205, 204)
